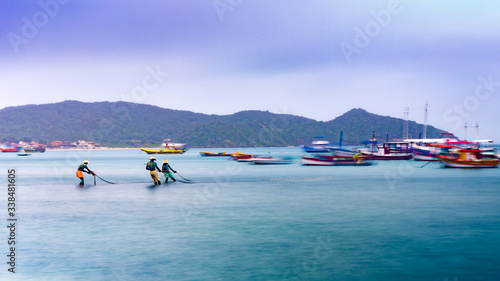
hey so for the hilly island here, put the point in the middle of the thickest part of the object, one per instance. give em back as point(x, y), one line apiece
point(125, 124)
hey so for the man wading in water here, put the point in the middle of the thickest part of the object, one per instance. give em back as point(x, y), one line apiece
point(83, 168)
point(152, 167)
point(165, 169)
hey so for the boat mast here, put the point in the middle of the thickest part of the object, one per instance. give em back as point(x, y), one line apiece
point(477, 130)
point(425, 121)
point(465, 127)
point(340, 141)
point(373, 141)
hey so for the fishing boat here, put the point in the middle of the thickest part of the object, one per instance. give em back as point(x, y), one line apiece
point(468, 158)
point(207, 153)
point(339, 151)
point(168, 147)
point(243, 157)
point(268, 160)
point(11, 149)
point(318, 146)
point(35, 149)
point(329, 160)
point(162, 151)
point(396, 150)
point(429, 152)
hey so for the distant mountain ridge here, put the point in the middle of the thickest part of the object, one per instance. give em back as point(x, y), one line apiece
point(125, 124)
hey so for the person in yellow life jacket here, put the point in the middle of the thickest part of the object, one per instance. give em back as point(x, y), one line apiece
point(165, 169)
point(358, 157)
point(153, 168)
point(83, 168)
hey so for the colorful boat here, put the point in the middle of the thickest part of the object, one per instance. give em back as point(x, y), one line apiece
point(168, 147)
point(429, 152)
point(11, 149)
point(207, 153)
point(387, 151)
point(468, 158)
point(243, 157)
point(163, 151)
point(35, 149)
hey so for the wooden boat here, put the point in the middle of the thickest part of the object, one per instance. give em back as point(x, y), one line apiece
point(268, 160)
point(11, 149)
point(207, 153)
point(388, 151)
point(35, 149)
point(243, 157)
point(468, 158)
point(168, 147)
point(317, 146)
point(329, 160)
point(163, 151)
point(429, 152)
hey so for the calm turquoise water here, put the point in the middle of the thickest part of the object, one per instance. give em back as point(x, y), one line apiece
point(237, 221)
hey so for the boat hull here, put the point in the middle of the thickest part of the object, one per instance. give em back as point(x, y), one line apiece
point(11, 149)
point(35, 150)
point(269, 161)
point(453, 162)
point(212, 154)
point(315, 161)
point(419, 155)
point(387, 157)
point(162, 151)
point(328, 160)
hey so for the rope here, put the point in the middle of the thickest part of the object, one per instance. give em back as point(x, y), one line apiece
point(103, 180)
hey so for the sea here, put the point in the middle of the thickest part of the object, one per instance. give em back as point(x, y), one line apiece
point(227, 220)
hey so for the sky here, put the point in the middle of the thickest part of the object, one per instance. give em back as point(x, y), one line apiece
point(316, 59)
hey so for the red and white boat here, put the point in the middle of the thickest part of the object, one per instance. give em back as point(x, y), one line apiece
point(468, 158)
point(11, 149)
point(242, 157)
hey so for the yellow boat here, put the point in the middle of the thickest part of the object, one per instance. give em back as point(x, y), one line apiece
point(168, 147)
point(163, 151)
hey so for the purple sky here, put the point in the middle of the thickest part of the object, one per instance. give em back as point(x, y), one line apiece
point(315, 59)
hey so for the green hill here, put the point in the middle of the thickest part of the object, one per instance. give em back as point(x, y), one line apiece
point(123, 124)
